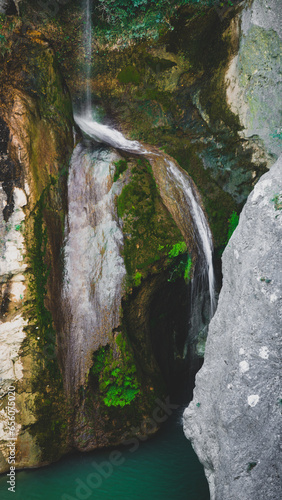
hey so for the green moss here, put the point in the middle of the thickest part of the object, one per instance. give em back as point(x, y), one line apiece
point(121, 166)
point(47, 384)
point(39, 316)
point(149, 229)
point(129, 75)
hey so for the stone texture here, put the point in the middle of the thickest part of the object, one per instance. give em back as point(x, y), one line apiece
point(234, 420)
point(34, 105)
point(254, 82)
point(8, 6)
point(94, 267)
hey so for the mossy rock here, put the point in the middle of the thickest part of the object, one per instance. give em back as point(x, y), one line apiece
point(148, 227)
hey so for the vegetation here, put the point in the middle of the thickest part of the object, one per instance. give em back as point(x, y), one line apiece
point(47, 384)
point(121, 166)
point(277, 200)
point(119, 10)
point(232, 224)
point(152, 240)
point(180, 263)
point(39, 317)
point(177, 249)
point(116, 373)
point(7, 26)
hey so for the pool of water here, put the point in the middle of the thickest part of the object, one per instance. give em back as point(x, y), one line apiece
point(162, 468)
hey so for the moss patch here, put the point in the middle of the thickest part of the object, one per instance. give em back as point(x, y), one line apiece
point(150, 232)
point(50, 428)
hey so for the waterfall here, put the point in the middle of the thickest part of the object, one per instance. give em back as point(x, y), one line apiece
point(107, 135)
point(94, 268)
point(88, 54)
point(202, 233)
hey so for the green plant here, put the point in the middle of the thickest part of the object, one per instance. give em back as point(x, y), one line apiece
point(232, 224)
point(137, 279)
point(188, 269)
point(117, 377)
point(181, 263)
point(99, 360)
point(177, 249)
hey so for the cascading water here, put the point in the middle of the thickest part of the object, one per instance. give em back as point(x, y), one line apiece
point(94, 268)
point(88, 54)
point(202, 232)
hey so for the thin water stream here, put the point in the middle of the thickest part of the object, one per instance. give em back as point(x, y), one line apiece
point(202, 233)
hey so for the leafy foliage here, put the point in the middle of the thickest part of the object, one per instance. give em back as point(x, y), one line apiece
point(114, 11)
point(178, 248)
point(116, 375)
point(137, 279)
point(232, 224)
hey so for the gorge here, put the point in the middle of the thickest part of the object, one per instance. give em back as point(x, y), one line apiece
point(128, 145)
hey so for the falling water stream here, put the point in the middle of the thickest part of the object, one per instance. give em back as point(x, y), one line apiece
point(88, 53)
point(202, 233)
point(107, 135)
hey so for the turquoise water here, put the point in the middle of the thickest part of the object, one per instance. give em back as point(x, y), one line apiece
point(162, 468)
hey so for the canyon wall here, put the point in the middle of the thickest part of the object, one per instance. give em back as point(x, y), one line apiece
point(233, 421)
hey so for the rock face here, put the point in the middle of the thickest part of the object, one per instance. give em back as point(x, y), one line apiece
point(254, 84)
point(234, 420)
point(36, 140)
point(8, 7)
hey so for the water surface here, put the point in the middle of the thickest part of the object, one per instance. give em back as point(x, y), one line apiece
point(162, 468)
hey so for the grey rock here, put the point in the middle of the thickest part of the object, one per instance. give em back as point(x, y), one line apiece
point(9, 6)
point(254, 81)
point(234, 420)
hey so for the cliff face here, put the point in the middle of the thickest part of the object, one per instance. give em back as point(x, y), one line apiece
point(234, 420)
point(254, 86)
point(36, 140)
